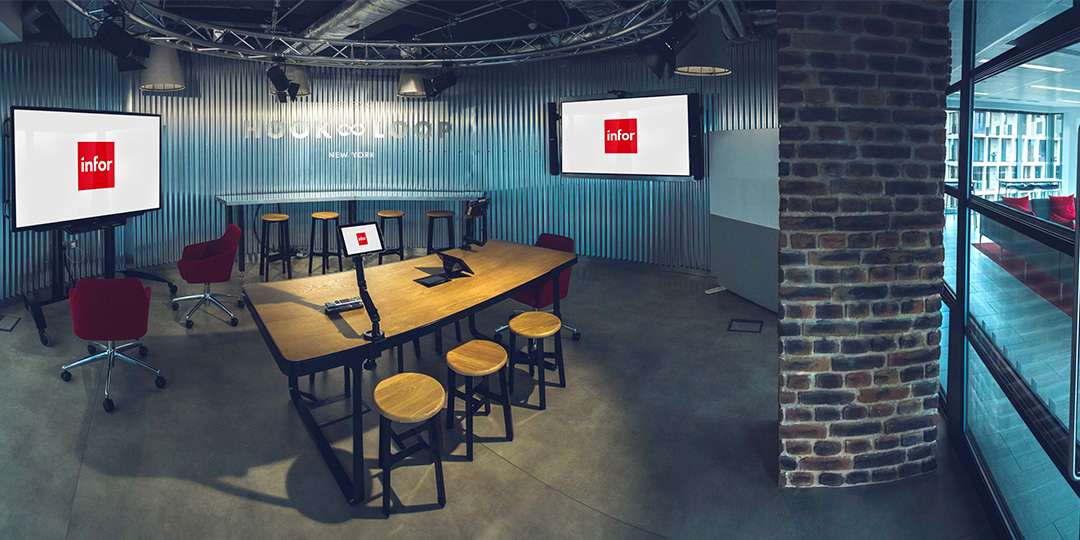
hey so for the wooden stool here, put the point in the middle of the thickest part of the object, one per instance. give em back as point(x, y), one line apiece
point(394, 215)
point(477, 358)
point(535, 326)
point(325, 253)
point(284, 253)
point(433, 216)
point(409, 398)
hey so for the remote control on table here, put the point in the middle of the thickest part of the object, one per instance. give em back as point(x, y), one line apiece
point(345, 304)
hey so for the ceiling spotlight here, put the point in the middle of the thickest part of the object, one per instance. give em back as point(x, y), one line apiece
point(288, 82)
point(659, 52)
point(122, 45)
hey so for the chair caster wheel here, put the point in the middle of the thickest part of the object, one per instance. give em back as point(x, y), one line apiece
point(498, 338)
point(234, 321)
point(45, 339)
point(576, 336)
point(108, 405)
point(172, 289)
point(175, 306)
point(65, 375)
point(189, 324)
point(159, 381)
point(143, 351)
point(240, 304)
point(90, 349)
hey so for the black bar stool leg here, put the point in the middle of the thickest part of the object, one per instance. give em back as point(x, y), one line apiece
point(457, 330)
point(487, 400)
point(503, 389)
point(451, 385)
point(287, 255)
point(512, 360)
point(384, 462)
point(382, 225)
point(430, 235)
point(416, 347)
point(337, 242)
point(348, 381)
point(438, 341)
point(559, 359)
point(325, 245)
point(468, 417)
point(541, 371)
point(436, 456)
point(311, 245)
point(400, 360)
point(401, 237)
point(263, 248)
point(311, 378)
point(450, 234)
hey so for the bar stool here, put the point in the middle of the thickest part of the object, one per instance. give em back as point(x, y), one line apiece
point(433, 216)
point(535, 326)
point(394, 215)
point(477, 358)
point(284, 249)
point(409, 398)
point(325, 253)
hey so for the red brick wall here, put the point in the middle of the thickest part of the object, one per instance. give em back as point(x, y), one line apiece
point(862, 145)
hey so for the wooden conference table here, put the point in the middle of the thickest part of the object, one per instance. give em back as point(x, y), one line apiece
point(304, 340)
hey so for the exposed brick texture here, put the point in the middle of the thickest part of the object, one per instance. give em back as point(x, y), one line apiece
point(862, 113)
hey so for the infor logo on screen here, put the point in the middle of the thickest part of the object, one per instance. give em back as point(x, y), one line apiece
point(361, 238)
point(97, 168)
point(620, 136)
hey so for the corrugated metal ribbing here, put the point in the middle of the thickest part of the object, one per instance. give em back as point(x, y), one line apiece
point(67, 75)
point(221, 137)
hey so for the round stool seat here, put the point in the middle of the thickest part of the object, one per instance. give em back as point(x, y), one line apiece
point(409, 398)
point(477, 358)
point(325, 215)
point(535, 324)
point(440, 213)
point(274, 217)
point(391, 213)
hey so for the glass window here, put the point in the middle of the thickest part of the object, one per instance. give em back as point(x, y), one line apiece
point(949, 239)
point(999, 22)
point(1038, 497)
point(1020, 291)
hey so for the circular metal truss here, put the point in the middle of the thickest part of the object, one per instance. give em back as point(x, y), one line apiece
point(619, 29)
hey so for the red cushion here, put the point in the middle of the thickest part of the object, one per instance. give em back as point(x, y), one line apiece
point(210, 262)
point(1063, 207)
point(539, 295)
point(1022, 204)
point(1062, 220)
point(110, 309)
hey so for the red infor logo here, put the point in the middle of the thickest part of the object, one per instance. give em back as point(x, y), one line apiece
point(620, 136)
point(361, 238)
point(97, 168)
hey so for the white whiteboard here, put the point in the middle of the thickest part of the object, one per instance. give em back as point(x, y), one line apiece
point(743, 178)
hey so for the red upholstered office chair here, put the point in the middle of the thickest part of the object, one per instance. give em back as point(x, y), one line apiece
point(206, 263)
point(105, 311)
point(539, 296)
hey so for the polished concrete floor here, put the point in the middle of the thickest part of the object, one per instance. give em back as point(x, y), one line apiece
point(667, 429)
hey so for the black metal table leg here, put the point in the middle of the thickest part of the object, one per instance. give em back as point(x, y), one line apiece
point(242, 252)
point(358, 440)
point(555, 294)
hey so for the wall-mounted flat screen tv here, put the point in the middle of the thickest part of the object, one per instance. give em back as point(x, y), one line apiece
point(73, 167)
point(632, 136)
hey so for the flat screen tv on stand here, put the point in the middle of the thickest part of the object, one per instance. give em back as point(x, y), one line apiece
point(80, 171)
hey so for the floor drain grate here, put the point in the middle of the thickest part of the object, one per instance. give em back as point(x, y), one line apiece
point(745, 325)
point(7, 322)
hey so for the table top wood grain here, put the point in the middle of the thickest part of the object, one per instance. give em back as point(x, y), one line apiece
point(290, 313)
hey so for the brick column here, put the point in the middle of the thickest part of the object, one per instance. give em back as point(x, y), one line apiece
point(862, 148)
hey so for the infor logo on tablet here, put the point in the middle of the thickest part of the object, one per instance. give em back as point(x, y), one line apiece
point(97, 168)
point(361, 238)
point(620, 136)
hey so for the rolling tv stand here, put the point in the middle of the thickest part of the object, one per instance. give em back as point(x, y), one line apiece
point(57, 292)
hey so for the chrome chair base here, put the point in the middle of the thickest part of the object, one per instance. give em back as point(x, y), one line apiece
point(111, 352)
point(207, 298)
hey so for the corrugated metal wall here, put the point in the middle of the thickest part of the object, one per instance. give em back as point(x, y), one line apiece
point(497, 144)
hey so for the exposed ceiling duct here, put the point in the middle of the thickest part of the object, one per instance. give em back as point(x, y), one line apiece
point(349, 18)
